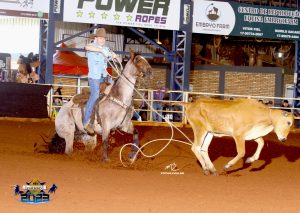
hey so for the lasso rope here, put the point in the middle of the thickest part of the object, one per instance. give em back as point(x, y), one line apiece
point(171, 125)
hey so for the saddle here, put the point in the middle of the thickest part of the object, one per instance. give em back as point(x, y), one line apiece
point(82, 98)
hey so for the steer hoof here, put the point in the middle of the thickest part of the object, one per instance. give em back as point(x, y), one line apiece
point(226, 168)
point(206, 172)
point(215, 173)
point(249, 160)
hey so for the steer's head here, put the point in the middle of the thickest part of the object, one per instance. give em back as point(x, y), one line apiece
point(282, 122)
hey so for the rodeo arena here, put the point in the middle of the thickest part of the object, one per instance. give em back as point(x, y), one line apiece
point(197, 108)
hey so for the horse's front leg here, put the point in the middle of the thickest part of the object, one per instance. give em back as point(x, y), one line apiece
point(135, 141)
point(105, 145)
point(134, 148)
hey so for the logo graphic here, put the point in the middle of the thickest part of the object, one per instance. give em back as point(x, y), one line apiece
point(2, 64)
point(34, 192)
point(213, 17)
point(172, 169)
point(212, 12)
point(26, 3)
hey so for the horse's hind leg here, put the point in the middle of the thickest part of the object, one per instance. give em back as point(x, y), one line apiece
point(69, 138)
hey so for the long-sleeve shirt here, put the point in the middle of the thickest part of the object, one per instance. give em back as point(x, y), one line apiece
point(97, 61)
point(159, 94)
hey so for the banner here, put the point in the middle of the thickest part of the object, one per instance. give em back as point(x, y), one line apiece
point(230, 18)
point(25, 8)
point(157, 14)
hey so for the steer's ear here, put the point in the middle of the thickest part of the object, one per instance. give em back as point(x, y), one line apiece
point(285, 114)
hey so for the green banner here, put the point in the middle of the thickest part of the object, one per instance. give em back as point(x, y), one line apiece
point(231, 18)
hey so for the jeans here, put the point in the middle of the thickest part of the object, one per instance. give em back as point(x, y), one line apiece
point(157, 116)
point(95, 92)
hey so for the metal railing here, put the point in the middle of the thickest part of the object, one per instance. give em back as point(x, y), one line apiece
point(170, 110)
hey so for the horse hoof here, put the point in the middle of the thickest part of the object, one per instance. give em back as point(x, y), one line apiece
point(106, 160)
point(132, 157)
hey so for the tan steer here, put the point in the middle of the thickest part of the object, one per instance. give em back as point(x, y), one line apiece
point(244, 119)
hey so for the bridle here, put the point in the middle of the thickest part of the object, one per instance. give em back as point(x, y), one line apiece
point(116, 65)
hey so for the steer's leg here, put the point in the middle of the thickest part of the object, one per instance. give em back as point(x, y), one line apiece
point(240, 147)
point(195, 148)
point(260, 145)
point(199, 149)
point(206, 140)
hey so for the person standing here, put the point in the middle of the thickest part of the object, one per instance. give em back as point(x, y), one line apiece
point(285, 104)
point(158, 96)
point(97, 54)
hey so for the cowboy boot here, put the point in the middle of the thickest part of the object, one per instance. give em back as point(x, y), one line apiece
point(89, 129)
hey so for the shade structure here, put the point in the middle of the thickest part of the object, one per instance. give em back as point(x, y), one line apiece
point(69, 63)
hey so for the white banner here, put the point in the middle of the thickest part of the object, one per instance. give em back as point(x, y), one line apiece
point(26, 5)
point(25, 8)
point(157, 14)
point(213, 17)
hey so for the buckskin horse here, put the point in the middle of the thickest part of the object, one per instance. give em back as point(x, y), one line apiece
point(113, 111)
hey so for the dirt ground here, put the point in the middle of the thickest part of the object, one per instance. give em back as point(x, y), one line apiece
point(85, 184)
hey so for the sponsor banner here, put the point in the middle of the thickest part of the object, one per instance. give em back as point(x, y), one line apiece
point(157, 14)
point(25, 8)
point(230, 18)
point(56, 6)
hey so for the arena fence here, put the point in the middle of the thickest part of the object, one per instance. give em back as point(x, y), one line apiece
point(171, 111)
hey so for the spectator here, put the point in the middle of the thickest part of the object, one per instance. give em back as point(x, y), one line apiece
point(136, 116)
point(285, 104)
point(158, 95)
point(166, 108)
point(270, 104)
point(58, 92)
point(57, 103)
point(191, 98)
point(144, 107)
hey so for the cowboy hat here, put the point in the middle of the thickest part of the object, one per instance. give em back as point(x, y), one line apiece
point(100, 32)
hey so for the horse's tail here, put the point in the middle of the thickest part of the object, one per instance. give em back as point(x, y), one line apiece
point(57, 144)
point(54, 144)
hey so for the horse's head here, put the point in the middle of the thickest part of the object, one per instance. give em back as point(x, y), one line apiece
point(144, 69)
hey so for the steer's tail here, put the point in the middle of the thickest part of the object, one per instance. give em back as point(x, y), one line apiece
point(180, 103)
